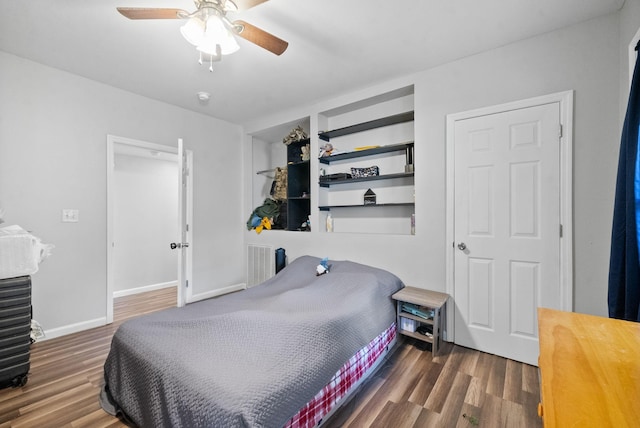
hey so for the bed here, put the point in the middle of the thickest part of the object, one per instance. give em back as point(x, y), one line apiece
point(282, 353)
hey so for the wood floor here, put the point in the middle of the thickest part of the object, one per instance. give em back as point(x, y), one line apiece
point(459, 388)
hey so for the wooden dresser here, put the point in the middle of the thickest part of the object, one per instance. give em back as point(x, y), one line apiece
point(589, 370)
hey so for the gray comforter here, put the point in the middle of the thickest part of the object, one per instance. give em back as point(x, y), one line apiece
point(252, 358)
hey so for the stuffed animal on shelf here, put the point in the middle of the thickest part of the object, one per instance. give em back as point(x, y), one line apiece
point(296, 134)
point(305, 155)
point(326, 150)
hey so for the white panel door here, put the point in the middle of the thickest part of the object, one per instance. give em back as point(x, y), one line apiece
point(506, 228)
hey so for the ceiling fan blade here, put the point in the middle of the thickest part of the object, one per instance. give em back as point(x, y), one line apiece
point(247, 4)
point(151, 13)
point(260, 37)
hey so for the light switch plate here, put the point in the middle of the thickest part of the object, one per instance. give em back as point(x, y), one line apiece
point(70, 215)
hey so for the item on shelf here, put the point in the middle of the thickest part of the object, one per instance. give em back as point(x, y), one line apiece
point(425, 330)
point(296, 134)
point(337, 176)
point(305, 155)
point(417, 311)
point(279, 185)
point(369, 197)
point(408, 324)
point(265, 223)
point(357, 149)
point(409, 164)
point(326, 150)
point(306, 225)
point(371, 171)
point(269, 210)
point(329, 223)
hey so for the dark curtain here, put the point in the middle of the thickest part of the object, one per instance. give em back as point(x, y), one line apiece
point(624, 267)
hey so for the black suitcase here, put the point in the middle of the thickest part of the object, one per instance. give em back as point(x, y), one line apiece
point(15, 331)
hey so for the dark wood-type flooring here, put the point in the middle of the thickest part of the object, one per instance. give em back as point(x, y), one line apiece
point(459, 388)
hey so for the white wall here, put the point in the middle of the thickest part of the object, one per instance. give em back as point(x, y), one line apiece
point(584, 58)
point(53, 131)
point(629, 26)
point(145, 220)
point(53, 128)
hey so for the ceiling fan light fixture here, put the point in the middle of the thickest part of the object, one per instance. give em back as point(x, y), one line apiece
point(193, 31)
point(208, 34)
point(227, 45)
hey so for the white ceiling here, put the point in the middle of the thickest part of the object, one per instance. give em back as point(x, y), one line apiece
point(335, 46)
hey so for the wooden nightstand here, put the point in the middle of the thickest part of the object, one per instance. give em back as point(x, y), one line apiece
point(425, 308)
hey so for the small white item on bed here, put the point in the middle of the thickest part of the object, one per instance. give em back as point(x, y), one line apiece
point(323, 267)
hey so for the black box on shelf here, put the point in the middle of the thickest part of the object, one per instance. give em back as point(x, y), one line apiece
point(333, 177)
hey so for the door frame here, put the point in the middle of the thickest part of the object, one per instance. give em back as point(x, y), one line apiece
point(183, 295)
point(565, 99)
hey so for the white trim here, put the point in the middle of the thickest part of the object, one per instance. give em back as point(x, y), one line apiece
point(189, 209)
point(185, 225)
point(144, 289)
point(73, 328)
point(218, 292)
point(565, 99)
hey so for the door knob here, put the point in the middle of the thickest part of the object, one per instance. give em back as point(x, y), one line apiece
point(462, 246)
point(174, 245)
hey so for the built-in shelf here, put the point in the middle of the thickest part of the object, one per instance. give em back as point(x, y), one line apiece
point(298, 183)
point(399, 204)
point(368, 152)
point(361, 179)
point(365, 126)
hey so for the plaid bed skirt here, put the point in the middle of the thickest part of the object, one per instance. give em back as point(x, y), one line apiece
point(342, 382)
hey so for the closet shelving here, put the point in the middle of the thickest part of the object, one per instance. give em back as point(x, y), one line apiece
point(365, 126)
point(406, 147)
point(327, 160)
point(298, 185)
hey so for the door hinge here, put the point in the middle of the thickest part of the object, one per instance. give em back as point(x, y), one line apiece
point(187, 283)
point(561, 231)
point(560, 131)
point(187, 227)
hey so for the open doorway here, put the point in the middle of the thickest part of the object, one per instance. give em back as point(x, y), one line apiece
point(142, 218)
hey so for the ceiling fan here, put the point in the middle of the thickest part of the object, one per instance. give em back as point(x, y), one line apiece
point(209, 29)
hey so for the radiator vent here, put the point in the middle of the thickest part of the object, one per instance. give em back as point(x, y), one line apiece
point(260, 264)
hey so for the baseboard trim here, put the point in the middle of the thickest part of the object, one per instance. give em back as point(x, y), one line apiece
point(130, 291)
point(73, 328)
point(217, 292)
point(99, 322)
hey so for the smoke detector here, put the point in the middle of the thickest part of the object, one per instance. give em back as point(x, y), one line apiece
point(203, 97)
